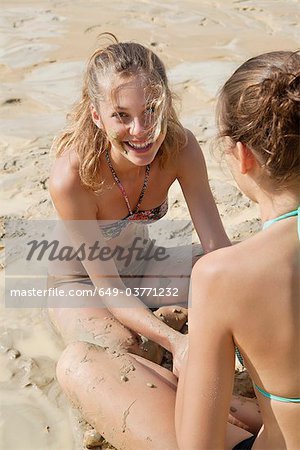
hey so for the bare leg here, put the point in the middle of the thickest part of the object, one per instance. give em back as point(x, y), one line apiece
point(247, 411)
point(129, 400)
point(130, 403)
point(98, 326)
point(234, 436)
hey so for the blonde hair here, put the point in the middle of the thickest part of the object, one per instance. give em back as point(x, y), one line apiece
point(259, 106)
point(123, 59)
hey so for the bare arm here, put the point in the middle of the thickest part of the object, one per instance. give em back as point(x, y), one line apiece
point(192, 176)
point(77, 209)
point(205, 385)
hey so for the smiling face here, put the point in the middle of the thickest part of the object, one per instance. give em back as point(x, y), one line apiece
point(131, 120)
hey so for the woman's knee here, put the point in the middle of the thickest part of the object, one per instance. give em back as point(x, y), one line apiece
point(68, 368)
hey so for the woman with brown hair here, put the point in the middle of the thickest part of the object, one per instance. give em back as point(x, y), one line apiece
point(245, 298)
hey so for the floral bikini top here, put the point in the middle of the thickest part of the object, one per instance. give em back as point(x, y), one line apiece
point(114, 229)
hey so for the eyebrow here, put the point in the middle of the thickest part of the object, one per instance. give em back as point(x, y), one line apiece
point(126, 109)
point(121, 107)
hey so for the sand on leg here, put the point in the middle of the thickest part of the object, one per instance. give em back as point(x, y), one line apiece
point(129, 401)
point(247, 411)
point(98, 326)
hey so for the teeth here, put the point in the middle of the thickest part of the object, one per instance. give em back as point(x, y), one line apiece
point(134, 145)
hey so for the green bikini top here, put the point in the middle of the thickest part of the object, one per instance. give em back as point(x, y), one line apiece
point(267, 224)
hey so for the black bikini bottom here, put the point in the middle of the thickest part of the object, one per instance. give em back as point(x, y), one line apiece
point(246, 444)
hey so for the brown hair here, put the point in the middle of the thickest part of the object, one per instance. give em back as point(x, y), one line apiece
point(259, 106)
point(123, 59)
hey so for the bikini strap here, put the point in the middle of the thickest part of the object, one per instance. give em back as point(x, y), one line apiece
point(147, 172)
point(295, 212)
point(122, 189)
point(299, 223)
point(277, 397)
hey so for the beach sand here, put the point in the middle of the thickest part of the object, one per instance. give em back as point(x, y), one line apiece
point(44, 49)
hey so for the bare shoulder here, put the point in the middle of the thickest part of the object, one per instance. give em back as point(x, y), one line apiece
point(192, 148)
point(71, 199)
point(216, 265)
point(225, 275)
point(191, 157)
point(64, 173)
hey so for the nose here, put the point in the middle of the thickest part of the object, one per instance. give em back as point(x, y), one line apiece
point(137, 127)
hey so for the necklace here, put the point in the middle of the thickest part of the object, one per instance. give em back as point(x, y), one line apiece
point(121, 187)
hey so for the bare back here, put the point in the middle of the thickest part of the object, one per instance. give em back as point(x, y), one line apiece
point(245, 296)
point(266, 323)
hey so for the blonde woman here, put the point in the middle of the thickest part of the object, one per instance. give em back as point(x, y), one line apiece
point(123, 149)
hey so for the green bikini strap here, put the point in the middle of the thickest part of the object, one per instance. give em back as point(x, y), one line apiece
point(277, 397)
point(296, 212)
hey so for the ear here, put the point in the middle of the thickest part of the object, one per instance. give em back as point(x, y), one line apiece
point(95, 116)
point(246, 158)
